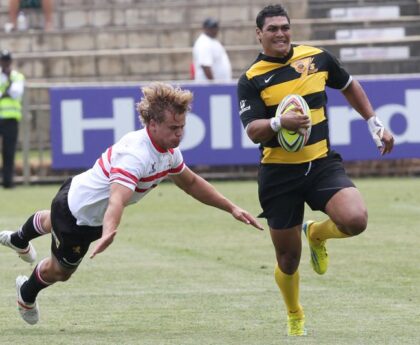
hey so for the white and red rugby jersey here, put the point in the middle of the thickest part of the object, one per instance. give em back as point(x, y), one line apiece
point(135, 162)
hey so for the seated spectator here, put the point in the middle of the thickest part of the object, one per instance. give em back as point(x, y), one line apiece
point(47, 7)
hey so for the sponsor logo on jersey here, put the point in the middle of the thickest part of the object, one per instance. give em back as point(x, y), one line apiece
point(243, 106)
point(152, 169)
point(304, 66)
point(269, 78)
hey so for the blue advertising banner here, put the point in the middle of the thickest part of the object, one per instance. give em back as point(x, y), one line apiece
point(396, 102)
point(86, 120)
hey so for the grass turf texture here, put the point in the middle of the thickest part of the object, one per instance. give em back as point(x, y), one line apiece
point(183, 273)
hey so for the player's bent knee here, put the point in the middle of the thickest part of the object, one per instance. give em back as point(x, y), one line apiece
point(288, 264)
point(46, 220)
point(53, 272)
point(64, 275)
point(356, 224)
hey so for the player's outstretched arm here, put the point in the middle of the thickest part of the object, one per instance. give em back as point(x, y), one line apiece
point(119, 197)
point(204, 192)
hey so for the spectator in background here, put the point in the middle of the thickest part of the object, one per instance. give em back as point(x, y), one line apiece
point(16, 5)
point(11, 92)
point(209, 57)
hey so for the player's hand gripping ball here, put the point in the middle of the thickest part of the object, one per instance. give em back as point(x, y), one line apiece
point(289, 140)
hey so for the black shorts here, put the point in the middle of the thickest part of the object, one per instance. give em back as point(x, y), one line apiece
point(283, 189)
point(30, 4)
point(70, 242)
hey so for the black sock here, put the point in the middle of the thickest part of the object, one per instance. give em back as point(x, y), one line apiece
point(28, 232)
point(32, 286)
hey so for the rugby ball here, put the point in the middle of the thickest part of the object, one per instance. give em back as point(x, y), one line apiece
point(289, 140)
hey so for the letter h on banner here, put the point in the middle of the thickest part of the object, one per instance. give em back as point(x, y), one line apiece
point(73, 124)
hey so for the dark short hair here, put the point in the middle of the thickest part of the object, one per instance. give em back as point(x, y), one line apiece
point(210, 23)
point(5, 55)
point(271, 11)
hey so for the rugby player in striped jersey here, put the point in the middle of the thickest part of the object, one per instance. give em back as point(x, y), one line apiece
point(313, 175)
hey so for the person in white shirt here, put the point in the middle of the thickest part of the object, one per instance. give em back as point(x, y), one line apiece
point(210, 59)
point(90, 205)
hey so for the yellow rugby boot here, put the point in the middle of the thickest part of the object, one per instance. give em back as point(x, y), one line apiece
point(296, 325)
point(319, 254)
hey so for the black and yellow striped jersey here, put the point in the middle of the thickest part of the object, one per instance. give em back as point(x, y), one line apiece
point(305, 71)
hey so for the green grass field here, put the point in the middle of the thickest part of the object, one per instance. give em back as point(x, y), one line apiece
point(182, 273)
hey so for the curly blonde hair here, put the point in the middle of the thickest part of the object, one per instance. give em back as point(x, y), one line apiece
point(159, 97)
